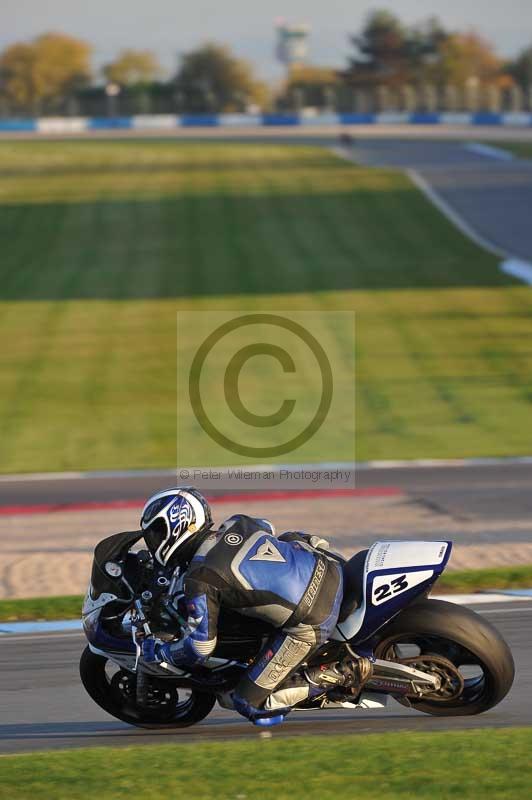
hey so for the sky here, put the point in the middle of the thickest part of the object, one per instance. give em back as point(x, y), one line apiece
point(171, 27)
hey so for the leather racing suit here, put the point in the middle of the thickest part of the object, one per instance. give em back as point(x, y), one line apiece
point(283, 581)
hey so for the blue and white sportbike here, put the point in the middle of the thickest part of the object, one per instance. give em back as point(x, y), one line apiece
point(433, 656)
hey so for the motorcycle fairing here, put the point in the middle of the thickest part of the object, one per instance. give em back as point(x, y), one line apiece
point(395, 573)
point(105, 589)
point(111, 549)
point(122, 659)
point(102, 639)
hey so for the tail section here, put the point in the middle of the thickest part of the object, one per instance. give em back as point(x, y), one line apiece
point(395, 574)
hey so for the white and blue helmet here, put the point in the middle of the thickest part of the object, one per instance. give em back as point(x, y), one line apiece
point(171, 518)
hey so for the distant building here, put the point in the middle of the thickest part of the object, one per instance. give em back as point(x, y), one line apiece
point(292, 43)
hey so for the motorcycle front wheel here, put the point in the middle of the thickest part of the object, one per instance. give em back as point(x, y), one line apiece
point(469, 655)
point(114, 690)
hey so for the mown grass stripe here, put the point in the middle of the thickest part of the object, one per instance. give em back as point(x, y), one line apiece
point(389, 766)
point(112, 239)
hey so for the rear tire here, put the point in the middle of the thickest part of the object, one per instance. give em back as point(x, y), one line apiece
point(461, 636)
point(105, 693)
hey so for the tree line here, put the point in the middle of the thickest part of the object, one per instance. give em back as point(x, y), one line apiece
point(387, 60)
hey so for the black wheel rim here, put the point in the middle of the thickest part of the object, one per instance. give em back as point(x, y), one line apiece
point(476, 675)
point(169, 705)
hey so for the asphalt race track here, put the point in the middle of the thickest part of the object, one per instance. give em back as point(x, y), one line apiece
point(45, 707)
point(493, 196)
point(496, 491)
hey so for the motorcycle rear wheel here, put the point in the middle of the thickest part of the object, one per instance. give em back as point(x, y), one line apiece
point(464, 638)
point(115, 694)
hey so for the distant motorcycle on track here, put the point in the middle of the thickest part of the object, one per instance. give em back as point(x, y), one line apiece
point(433, 656)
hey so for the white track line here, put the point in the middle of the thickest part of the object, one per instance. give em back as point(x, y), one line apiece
point(511, 264)
point(453, 216)
point(479, 599)
point(504, 610)
point(518, 269)
point(489, 151)
point(415, 463)
point(74, 476)
point(346, 152)
point(443, 462)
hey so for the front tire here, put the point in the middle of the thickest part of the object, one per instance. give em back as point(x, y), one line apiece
point(464, 638)
point(116, 695)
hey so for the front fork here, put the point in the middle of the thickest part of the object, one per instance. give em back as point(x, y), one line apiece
point(140, 626)
point(140, 629)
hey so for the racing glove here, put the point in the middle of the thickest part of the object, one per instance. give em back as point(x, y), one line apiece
point(301, 536)
point(153, 651)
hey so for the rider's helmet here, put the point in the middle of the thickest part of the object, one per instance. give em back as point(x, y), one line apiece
point(172, 517)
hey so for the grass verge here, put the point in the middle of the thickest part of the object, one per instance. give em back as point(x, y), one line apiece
point(41, 608)
point(106, 241)
point(473, 580)
point(68, 607)
point(465, 765)
point(519, 149)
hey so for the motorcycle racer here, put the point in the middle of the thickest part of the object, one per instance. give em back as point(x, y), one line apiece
point(285, 581)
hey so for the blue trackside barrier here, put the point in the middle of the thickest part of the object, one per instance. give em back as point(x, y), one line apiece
point(199, 121)
point(353, 118)
point(104, 123)
point(72, 125)
point(424, 118)
point(18, 125)
point(487, 118)
point(281, 119)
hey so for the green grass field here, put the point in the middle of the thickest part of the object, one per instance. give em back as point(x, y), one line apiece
point(465, 765)
point(471, 580)
point(104, 241)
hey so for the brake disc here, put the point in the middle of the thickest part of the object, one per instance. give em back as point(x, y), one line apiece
point(452, 681)
point(123, 685)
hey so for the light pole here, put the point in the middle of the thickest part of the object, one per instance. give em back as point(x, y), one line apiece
point(112, 90)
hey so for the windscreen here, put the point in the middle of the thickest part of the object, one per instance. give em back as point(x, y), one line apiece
point(113, 548)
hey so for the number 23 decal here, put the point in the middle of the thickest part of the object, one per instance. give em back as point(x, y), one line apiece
point(386, 590)
point(387, 586)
